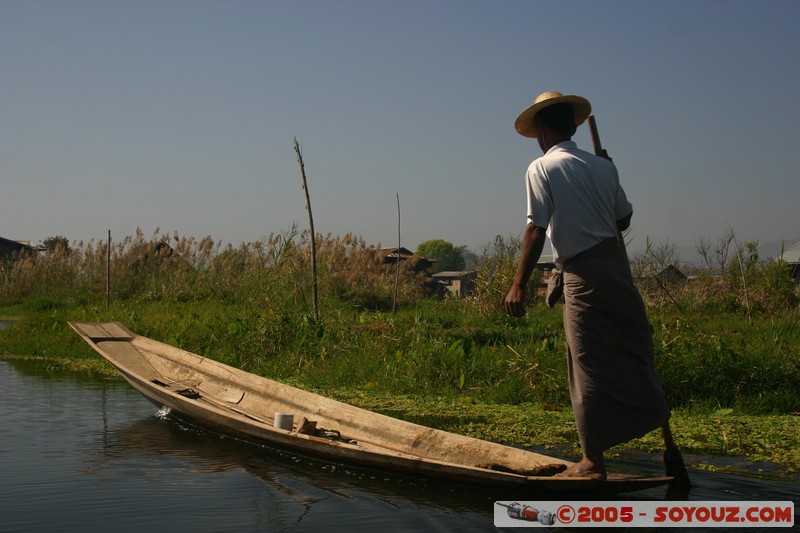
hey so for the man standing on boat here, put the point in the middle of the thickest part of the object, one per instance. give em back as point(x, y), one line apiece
point(575, 198)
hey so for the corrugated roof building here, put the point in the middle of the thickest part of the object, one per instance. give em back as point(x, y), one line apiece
point(394, 255)
point(9, 247)
point(792, 257)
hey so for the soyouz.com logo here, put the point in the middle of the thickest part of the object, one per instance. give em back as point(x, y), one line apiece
point(645, 514)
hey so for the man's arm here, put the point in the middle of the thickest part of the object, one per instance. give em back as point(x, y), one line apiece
point(532, 245)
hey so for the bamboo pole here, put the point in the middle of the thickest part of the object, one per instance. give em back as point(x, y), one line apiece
point(311, 229)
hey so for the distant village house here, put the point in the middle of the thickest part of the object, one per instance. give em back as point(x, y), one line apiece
point(792, 258)
point(456, 284)
point(391, 256)
point(9, 248)
point(545, 267)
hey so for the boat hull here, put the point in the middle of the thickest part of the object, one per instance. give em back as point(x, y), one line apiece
point(237, 403)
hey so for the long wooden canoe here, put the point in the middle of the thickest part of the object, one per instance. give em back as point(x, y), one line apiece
point(238, 403)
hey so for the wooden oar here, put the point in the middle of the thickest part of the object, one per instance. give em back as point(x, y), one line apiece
point(673, 460)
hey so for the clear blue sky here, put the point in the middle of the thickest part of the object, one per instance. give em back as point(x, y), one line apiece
point(180, 115)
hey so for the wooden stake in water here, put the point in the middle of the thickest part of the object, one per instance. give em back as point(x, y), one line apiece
point(108, 271)
point(311, 228)
point(397, 266)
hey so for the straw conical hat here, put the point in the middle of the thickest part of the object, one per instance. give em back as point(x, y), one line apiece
point(525, 124)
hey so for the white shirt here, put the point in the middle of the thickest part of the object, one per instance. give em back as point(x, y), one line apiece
point(576, 196)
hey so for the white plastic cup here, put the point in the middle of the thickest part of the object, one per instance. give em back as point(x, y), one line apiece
point(284, 421)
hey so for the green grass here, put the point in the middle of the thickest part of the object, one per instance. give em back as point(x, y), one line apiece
point(436, 347)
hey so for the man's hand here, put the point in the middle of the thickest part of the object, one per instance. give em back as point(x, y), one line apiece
point(515, 302)
point(532, 243)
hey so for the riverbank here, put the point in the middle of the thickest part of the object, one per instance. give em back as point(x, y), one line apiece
point(718, 440)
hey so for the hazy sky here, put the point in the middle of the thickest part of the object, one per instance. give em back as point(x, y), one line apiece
point(180, 115)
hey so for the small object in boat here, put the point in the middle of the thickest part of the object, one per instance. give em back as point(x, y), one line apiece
point(284, 421)
point(306, 426)
point(333, 434)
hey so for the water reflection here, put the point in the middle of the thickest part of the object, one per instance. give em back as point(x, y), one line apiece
point(302, 479)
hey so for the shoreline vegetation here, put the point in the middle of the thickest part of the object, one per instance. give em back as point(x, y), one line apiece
point(727, 343)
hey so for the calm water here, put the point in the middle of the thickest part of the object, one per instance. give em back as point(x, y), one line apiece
point(91, 455)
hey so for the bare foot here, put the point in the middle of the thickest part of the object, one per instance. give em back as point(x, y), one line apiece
point(592, 468)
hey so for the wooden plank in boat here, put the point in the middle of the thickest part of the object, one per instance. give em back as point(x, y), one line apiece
point(220, 392)
point(104, 330)
point(129, 358)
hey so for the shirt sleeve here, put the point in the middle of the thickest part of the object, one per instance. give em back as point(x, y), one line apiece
point(540, 202)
